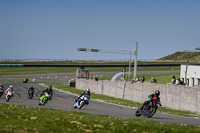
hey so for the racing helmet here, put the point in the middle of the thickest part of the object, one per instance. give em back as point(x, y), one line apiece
point(88, 90)
point(157, 93)
point(11, 86)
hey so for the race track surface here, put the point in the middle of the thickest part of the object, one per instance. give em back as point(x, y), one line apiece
point(65, 101)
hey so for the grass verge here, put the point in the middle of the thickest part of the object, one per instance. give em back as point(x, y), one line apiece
point(16, 118)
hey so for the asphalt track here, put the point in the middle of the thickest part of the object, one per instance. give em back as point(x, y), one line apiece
point(65, 101)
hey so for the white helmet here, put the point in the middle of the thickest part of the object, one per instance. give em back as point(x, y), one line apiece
point(11, 86)
point(88, 90)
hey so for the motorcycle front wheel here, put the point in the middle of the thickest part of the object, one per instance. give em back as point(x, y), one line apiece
point(30, 96)
point(151, 112)
point(138, 112)
point(44, 101)
point(7, 98)
point(81, 105)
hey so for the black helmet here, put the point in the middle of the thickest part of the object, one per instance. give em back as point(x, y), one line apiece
point(157, 92)
point(50, 87)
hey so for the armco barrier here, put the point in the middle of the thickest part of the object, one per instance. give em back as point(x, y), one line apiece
point(11, 65)
point(173, 96)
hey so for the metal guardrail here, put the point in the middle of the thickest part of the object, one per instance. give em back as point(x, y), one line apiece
point(11, 65)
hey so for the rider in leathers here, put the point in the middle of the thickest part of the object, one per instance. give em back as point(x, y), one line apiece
point(49, 91)
point(31, 89)
point(10, 89)
point(154, 98)
point(2, 88)
point(87, 93)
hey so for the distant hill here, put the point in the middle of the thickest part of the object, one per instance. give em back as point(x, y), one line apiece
point(182, 57)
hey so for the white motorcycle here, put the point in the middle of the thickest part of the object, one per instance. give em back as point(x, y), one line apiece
point(82, 101)
point(9, 94)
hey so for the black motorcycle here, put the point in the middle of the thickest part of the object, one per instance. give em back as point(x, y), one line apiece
point(1, 91)
point(148, 109)
point(25, 80)
point(30, 94)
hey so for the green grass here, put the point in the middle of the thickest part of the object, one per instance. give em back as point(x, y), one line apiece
point(48, 70)
point(35, 70)
point(16, 118)
point(123, 102)
point(182, 56)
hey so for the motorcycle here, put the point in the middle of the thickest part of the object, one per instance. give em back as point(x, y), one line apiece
point(149, 109)
point(9, 95)
point(44, 99)
point(83, 100)
point(1, 91)
point(25, 80)
point(30, 94)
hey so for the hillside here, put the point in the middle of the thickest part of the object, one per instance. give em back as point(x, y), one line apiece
point(182, 57)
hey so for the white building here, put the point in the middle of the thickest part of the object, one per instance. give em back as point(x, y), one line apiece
point(191, 76)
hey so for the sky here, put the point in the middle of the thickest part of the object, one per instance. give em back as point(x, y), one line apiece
point(54, 29)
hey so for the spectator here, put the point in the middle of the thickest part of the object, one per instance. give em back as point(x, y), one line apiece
point(153, 80)
point(143, 79)
point(96, 78)
point(136, 79)
point(173, 80)
point(124, 72)
point(179, 82)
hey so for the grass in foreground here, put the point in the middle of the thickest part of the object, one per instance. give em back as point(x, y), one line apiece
point(16, 118)
point(123, 102)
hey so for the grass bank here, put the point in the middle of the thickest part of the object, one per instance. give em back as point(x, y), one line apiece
point(15, 118)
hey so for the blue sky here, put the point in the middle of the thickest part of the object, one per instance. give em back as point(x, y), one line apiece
point(54, 29)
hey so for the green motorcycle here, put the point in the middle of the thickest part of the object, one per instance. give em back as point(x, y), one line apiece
point(44, 99)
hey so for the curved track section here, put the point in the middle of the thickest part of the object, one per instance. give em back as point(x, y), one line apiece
point(65, 101)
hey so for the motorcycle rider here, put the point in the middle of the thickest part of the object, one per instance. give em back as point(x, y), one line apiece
point(87, 93)
point(30, 89)
point(154, 98)
point(10, 89)
point(2, 88)
point(48, 90)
